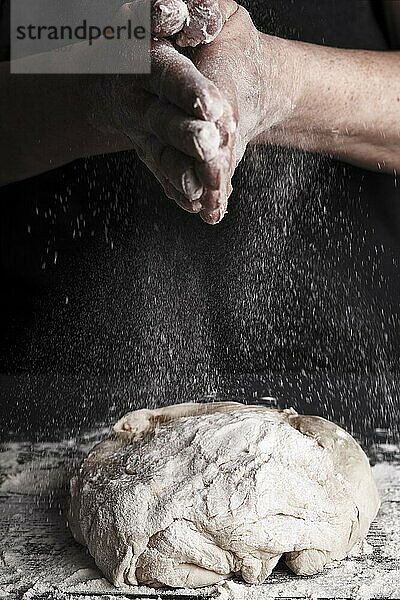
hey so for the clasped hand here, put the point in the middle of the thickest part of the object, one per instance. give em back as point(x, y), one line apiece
point(191, 119)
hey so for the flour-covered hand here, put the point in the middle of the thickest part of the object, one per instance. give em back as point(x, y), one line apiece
point(254, 74)
point(195, 21)
point(171, 117)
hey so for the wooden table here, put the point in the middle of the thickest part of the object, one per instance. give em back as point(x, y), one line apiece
point(39, 560)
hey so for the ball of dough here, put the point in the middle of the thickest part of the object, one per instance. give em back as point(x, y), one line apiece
point(187, 496)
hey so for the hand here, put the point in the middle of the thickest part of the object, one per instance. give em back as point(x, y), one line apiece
point(255, 73)
point(175, 118)
point(194, 21)
point(171, 116)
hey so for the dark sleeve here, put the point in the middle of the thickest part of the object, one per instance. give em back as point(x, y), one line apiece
point(4, 30)
point(387, 13)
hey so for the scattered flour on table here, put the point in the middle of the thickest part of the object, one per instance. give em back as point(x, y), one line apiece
point(40, 469)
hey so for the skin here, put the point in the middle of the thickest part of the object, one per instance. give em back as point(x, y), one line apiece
point(243, 87)
point(77, 116)
point(195, 21)
point(174, 118)
point(344, 103)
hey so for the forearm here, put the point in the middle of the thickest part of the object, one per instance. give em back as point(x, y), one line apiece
point(345, 103)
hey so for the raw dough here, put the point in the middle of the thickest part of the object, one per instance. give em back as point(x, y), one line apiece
point(188, 495)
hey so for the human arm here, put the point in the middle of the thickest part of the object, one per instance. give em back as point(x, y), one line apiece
point(344, 103)
point(347, 105)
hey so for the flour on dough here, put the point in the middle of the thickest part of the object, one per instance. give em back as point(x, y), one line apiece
point(187, 496)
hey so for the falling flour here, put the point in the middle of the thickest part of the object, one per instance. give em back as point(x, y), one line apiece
point(187, 496)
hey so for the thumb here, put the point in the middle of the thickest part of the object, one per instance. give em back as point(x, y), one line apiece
point(167, 16)
point(206, 19)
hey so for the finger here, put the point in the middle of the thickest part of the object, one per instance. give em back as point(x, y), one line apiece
point(206, 19)
point(216, 175)
point(180, 171)
point(169, 190)
point(196, 138)
point(168, 17)
point(204, 23)
point(180, 200)
point(215, 202)
point(213, 198)
point(170, 165)
point(174, 78)
point(214, 172)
